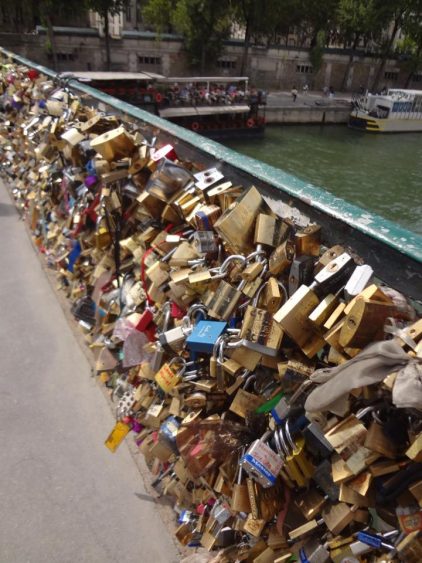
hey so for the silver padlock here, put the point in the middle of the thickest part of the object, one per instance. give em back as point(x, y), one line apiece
point(173, 339)
point(362, 277)
point(262, 463)
point(334, 275)
point(205, 242)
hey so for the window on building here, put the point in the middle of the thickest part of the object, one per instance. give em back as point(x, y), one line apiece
point(63, 56)
point(149, 60)
point(304, 69)
point(417, 78)
point(389, 75)
point(222, 63)
point(129, 12)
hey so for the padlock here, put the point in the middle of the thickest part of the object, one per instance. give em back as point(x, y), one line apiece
point(334, 275)
point(236, 225)
point(314, 552)
point(270, 230)
point(114, 144)
point(259, 330)
point(308, 241)
point(205, 242)
point(245, 402)
point(170, 374)
point(281, 258)
point(301, 273)
point(168, 179)
point(204, 335)
point(293, 315)
point(174, 339)
point(240, 494)
point(361, 278)
point(262, 463)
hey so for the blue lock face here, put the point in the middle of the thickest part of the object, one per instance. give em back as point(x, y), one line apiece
point(204, 335)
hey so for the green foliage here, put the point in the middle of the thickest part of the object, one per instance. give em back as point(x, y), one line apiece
point(112, 7)
point(317, 51)
point(158, 13)
point(204, 25)
point(358, 19)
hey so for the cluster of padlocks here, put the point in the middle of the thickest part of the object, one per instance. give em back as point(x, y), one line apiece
point(274, 388)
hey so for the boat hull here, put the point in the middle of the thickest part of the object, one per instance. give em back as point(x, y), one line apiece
point(364, 122)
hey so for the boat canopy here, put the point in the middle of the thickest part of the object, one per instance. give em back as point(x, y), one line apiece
point(88, 76)
point(203, 110)
point(221, 79)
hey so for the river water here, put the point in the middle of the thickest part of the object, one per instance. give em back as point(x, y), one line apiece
point(380, 173)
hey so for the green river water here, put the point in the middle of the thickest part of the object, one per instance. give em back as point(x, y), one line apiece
point(380, 173)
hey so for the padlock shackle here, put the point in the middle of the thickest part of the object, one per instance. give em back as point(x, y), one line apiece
point(289, 436)
point(230, 259)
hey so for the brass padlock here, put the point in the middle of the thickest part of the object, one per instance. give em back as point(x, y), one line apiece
point(270, 230)
point(308, 241)
point(114, 144)
point(281, 258)
point(245, 402)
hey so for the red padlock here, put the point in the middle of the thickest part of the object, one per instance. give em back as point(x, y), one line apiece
point(145, 320)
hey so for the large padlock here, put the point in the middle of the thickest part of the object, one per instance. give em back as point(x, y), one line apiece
point(262, 463)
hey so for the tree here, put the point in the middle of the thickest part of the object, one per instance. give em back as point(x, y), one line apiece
point(48, 10)
point(411, 46)
point(157, 13)
point(357, 19)
point(204, 24)
point(391, 14)
point(107, 8)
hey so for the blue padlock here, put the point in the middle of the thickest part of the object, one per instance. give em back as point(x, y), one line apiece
point(204, 335)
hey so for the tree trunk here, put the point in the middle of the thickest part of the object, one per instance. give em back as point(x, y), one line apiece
point(244, 64)
point(203, 59)
point(415, 65)
point(386, 54)
point(107, 40)
point(52, 40)
point(349, 65)
point(409, 79)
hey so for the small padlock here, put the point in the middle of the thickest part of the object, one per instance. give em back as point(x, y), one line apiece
point(205, 242)
point(204, 335)
point(240, 494)
point(169, 375)
point(259, 330)
point(245, 402)
point(173, 340)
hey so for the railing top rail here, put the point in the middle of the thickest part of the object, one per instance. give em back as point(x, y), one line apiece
point(383, 231)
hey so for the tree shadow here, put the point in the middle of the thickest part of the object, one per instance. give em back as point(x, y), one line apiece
point(7, 210)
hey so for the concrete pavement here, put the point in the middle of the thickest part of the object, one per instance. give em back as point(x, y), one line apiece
point(312, 98)
point(63, 496)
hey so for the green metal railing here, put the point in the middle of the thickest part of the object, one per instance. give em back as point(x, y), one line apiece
point(394, 253)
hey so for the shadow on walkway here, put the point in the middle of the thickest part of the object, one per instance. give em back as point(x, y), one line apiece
point(7, 210)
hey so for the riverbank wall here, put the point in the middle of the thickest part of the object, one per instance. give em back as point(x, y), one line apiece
point(306, 115)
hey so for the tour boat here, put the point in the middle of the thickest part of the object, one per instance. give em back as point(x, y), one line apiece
point(397, 111)
point(214, 106)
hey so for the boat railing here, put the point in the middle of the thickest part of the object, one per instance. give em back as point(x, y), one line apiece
point(394, 252)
